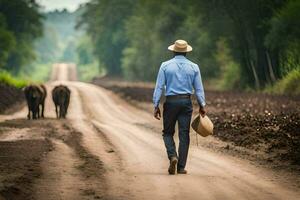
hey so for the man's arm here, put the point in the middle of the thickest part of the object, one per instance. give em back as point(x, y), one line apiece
point(160, 83)
point(199, 91)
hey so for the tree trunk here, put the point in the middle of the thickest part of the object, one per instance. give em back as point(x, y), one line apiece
point(272, 75)
point(257, 82)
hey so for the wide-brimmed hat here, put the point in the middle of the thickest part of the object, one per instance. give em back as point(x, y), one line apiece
point(180, 46)
point(203, 126)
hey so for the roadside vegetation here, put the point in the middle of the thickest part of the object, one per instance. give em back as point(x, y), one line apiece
point(239, 45)
point(289, 85)
point(32, 42)
point(8, 79)
point(20, 25)
point(87, 65)
point(64, 42)
point(245, 45)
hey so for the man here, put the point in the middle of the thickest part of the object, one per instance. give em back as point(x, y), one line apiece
point(179, 76)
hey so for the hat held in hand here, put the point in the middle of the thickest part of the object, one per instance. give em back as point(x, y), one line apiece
point(203, 126)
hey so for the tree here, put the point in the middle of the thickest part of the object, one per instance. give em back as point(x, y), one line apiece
point(284, 36)
point(104, 22)
point(23, 19)
point(85, 51)
point(252, 30)
point(7, 42)
point(47, 47)
point(259, 65)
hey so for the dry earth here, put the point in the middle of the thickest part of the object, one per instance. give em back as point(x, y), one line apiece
point(109, 149)
point(263, 128)
point(11, 98)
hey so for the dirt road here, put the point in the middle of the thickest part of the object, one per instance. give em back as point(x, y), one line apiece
point(108, 149)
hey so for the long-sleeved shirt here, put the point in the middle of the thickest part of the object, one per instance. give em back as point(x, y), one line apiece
point(179, 76)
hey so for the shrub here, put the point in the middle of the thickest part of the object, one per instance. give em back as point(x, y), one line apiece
point(289, 84)
point(7, 78)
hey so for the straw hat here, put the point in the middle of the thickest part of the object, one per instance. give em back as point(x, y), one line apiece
point(203, 126)
point(180, 46)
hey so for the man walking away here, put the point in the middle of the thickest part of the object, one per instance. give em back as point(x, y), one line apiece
point(179, 76)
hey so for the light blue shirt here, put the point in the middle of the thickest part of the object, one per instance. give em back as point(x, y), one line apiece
point(179, 76)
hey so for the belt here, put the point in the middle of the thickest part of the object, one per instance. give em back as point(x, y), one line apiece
point(179, 96)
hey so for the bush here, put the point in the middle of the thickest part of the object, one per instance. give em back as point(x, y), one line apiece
point(289, 84)
point(6, 78)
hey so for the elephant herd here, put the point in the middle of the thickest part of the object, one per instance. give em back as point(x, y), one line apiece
point(36, 94)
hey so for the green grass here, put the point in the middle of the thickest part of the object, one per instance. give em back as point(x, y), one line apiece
point(36, 73)
point(8, 79)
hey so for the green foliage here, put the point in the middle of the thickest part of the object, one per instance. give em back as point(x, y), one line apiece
point(64, 22)
point(60, 37)
point(85, 51)
point(7, 42)
point(238, 43)
point(69, 53)
point(58, 44)
point(284, 36)
point(23, 21)
point(197, 33)
point(286, 23)
point(87, 72)
point(147, 48)
point(48, 48)
point(88, 67)
point(41, 72)
point(229, 77)
point(143, 32)
point(104, 21)
point(36, 72)
point(8, 79)
point(289, 84)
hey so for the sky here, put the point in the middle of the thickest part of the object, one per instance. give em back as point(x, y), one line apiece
point(71, 5)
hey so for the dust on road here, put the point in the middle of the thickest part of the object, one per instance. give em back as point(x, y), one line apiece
point(107, 149)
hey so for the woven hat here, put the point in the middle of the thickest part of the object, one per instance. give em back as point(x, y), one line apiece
point(203, 125)
point(180, 46)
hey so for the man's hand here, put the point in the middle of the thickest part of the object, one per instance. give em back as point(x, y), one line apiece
point(157, 113)
point(202, 111)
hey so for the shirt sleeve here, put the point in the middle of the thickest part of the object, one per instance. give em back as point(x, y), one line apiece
point(160, 84)
point(198, 87)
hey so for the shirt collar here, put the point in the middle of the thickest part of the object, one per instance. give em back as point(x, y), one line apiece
point(180, 57)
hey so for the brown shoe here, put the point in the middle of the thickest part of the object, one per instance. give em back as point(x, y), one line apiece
point(173, 164)
point(181, 171)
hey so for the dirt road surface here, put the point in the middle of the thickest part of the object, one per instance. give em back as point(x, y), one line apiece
point(108, 149)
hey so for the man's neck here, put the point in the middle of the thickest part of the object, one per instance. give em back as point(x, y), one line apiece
point(179, 56)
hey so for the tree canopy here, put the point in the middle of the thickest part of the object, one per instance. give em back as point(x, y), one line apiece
point(255, 42)
point(104, 21)
point(20, 24)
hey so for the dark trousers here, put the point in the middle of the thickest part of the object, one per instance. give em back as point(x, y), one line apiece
point(177, 110)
